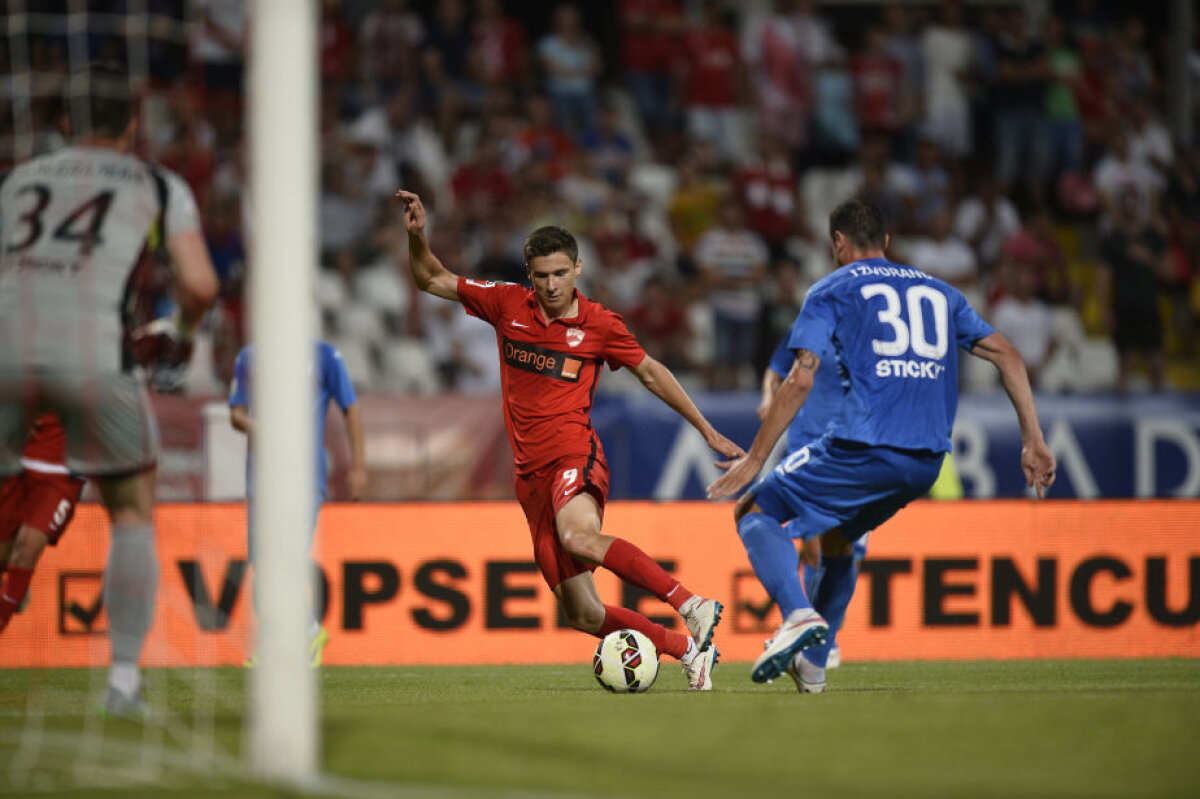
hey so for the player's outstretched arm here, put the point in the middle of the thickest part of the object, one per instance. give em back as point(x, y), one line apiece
point(788, 399)
point(662, 384)
point(1036, 459)
point(427, 271)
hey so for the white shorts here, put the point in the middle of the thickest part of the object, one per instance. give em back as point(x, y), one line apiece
point(108, 420)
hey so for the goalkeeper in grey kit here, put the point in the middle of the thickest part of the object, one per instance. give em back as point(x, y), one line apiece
point(74, 224)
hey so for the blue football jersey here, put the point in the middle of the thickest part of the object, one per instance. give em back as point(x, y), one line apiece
point(332, 384)
point(894, 332)
point(816, 414)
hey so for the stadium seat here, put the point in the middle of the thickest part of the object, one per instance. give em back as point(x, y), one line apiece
point(382, 287)
point(361, 322)
point(330, 290)
point(408, 367)
point(356, 355)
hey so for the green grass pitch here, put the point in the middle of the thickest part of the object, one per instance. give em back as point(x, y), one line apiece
point(1087, 729)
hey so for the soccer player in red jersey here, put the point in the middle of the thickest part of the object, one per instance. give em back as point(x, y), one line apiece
point(553, 342)
point(36, 506)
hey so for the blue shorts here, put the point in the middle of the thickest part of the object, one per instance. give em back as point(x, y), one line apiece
point(854, 487)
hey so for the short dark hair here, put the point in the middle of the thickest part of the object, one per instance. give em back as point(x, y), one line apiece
point(548, 240)
point(859, 221)
point(104, 88)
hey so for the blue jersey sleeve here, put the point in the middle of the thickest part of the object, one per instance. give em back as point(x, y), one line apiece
point(814, 326)
point(239, 389)
point(337, 379)
point(783, 357)
point(969, 326)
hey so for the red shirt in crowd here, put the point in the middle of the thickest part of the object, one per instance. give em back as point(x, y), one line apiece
point(768, 192)
point(549, 372)
point(712, 61)
point(878, 81)
point(645, 47)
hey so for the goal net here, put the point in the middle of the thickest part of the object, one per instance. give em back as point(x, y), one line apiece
point(209, 719)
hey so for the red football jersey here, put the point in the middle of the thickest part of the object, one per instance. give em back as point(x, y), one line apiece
point(46, 446)
point(549, 372)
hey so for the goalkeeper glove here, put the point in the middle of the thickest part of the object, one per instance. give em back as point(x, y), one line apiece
point(164, 349)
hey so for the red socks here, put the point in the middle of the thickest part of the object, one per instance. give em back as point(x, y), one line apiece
point(637, 568)
point(665, 641)
point(13, 588)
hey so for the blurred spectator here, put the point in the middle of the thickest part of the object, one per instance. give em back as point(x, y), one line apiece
point(932, 186)
point(776, 53)
point(389, 40)
point(944, 255)
point(881, 96)
point(733, 263)
point(481, 184)
point(542, 143)
point(659, 320)
point(1096, 96)
point(609, 147)
point(650, 30)
point(502, 45)
point(218, 44)
point(890, 184)
point(415, 148)
point(1130, 60)
point(583, 190)
point(1133, 260)
point(498, 261)
point(834, 126)
point(346, 218)
point(900, 42)
point(766, 187)
point(1183, 214)
point(337, 44)
point(571, 62)
point(622, 276)
point(946, 51)
point(1034, 249)
point(691, 211)
point(712, 73)
point(1118, 175)
point(1063, 121)
point(369, 170)
point(985, 221)
point(1025, 319)
point(783, 297)
point(1150, 141)
point(450, 36)
point(1018, 101)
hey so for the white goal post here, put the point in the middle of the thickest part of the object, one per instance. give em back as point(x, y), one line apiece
point(282, 105)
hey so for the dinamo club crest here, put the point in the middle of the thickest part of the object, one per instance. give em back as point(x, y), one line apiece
point(574, 336)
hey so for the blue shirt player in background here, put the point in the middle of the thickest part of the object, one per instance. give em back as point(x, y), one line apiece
point(332, 385)
point(893, 332)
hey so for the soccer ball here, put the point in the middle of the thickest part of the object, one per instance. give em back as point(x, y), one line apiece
point(626, 662)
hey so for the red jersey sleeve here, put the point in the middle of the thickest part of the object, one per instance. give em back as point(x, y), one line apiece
point(620, 347)
point(486, 298)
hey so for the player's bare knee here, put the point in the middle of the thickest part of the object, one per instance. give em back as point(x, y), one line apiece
point(585, 618)
point(579, 541)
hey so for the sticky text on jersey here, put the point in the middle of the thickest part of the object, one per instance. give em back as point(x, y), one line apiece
point(900, 367)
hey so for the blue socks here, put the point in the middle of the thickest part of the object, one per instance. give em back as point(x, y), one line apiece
point(833, 597)
point(775, 561)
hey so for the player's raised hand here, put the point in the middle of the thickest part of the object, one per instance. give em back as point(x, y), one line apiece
point(741, 472)
point(1038, 464)
point(414, 211)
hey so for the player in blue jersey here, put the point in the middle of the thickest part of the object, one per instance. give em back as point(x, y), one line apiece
point(893, 332)
point(809, 424)
point(332, 385)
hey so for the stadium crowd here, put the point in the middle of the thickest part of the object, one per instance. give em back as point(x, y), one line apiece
point(696, 151)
